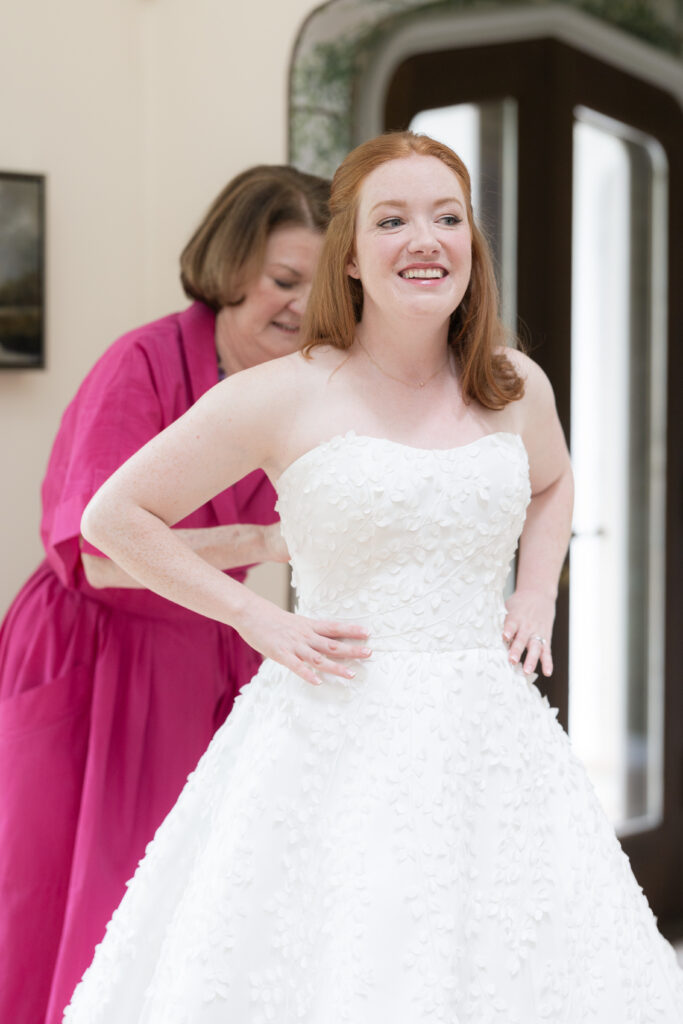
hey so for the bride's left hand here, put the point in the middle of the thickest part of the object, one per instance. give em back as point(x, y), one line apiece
point(530, 615)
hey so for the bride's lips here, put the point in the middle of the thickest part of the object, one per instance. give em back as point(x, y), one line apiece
point(423, 274)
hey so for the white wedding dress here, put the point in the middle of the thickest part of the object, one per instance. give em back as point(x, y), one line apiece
point(415, 846)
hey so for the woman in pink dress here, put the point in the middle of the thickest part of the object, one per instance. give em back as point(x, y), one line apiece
point(109, 693)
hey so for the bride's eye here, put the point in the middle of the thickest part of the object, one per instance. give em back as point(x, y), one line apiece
point(450, 220)
point(390, 222)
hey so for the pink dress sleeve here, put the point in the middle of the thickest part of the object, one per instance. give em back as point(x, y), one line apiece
point(116, 410)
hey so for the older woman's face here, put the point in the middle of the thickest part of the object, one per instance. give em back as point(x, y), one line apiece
point(266, 323)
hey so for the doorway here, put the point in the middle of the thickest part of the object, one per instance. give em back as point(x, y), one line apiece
point(573, 162)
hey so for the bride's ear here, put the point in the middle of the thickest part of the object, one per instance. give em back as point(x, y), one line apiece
point(352, 268)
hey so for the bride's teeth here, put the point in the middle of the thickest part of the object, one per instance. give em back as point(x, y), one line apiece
point(426, 272)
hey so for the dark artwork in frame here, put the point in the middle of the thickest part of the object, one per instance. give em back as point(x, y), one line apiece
point(22, 247)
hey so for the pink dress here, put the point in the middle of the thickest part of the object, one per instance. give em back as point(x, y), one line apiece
point(107, 697)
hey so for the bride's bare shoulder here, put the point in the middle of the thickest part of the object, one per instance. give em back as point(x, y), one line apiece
point(537, 387)
point(297, 378)
point(283, 386)
point(292, 391)
point(290, 385)
point(319, 362)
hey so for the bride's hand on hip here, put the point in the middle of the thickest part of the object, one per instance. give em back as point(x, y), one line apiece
point(528, 627)
point(305, 646)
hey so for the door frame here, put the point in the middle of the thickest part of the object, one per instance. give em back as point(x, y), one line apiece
point(548, 79)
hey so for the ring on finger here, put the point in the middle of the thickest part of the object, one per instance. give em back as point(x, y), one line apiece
point(539, 639)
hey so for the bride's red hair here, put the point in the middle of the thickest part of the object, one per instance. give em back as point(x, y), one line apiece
point(336, 302)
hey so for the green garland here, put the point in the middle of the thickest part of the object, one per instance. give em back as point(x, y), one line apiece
point(323, 76)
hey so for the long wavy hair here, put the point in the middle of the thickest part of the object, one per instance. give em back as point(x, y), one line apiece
point(335, 305)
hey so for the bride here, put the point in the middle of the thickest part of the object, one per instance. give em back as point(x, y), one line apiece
point(391, 826)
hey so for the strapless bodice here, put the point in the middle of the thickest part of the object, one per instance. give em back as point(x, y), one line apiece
point(413, 543)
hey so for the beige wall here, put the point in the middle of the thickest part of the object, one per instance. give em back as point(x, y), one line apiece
point(137, 111)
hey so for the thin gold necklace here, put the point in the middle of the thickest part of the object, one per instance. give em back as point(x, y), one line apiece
point(399, 380)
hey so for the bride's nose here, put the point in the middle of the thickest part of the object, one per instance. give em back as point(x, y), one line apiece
point(423, 238)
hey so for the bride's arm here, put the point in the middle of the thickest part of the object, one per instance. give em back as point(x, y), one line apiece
point(547, 529)
point(226, 547)
point(231, 430)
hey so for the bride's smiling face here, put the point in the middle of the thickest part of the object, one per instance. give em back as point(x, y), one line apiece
point(413, 246)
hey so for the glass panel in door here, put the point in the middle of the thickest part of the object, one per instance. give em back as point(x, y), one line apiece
point(618, 416)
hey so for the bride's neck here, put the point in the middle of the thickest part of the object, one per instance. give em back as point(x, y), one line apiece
point(408, 348)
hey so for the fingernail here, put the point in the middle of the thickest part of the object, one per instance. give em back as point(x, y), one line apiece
point(349, 673)
point(365, 651)
point(514, 659)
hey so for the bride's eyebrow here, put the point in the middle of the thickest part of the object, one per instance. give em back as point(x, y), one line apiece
point(401, 203)
point(448, 201)
point(388, 202)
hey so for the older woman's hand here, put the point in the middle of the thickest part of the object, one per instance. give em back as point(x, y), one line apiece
point(528, 626)
point(274, 543)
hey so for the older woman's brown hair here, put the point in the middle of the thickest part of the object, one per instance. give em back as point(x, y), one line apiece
point(335, 305)
point(227, 249)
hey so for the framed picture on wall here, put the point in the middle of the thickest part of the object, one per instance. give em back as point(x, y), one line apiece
point(22, 261)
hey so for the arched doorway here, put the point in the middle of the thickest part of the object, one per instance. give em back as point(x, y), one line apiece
point(550, 88)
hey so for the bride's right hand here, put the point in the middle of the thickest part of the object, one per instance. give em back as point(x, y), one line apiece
point(305, 646)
